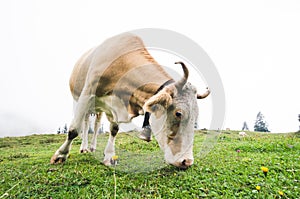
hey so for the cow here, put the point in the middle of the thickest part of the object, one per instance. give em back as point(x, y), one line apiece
point(122, 79)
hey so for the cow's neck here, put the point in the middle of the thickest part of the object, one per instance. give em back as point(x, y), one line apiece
point(170, 81)
point(142, 94)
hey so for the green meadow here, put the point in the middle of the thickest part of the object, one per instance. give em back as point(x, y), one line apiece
point(226, 166)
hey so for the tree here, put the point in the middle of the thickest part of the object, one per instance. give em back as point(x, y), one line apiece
point(65, 129)
point(260, 124)
point(245, 127)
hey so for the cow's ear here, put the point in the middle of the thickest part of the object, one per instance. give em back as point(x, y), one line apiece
point(161, 100)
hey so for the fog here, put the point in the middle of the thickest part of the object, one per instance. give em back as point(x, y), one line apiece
point(254, 45)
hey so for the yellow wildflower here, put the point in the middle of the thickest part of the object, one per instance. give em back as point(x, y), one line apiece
point(257, 188)
point(265, 169)
point(280, 193)
point(115, 157)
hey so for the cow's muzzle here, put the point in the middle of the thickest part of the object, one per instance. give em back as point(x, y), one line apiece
point(184, 164)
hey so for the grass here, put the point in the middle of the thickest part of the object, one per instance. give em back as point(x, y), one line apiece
point(232, 168)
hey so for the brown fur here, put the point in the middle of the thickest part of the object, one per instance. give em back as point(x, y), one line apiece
point(134, 76)
point(163, 98)
point(175, 144)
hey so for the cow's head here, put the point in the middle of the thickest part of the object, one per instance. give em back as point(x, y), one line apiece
point(174, 113)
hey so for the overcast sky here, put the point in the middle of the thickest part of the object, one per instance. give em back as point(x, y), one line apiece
point(255, 46)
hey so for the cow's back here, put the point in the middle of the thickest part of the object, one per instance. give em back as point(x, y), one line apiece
point(120, 58)
point(79, 74)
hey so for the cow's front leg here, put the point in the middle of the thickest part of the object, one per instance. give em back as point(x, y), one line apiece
point(146, 132)
point(109, 150)
point(62, 153)
point(84, 103)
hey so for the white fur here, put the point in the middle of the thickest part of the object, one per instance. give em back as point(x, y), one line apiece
point(64, 149)
point(109, 150)
point(160, 132)
point(114, 108)
point(84, 134)
point(97, 124)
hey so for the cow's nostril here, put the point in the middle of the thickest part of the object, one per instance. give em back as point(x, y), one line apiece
point(186, 163)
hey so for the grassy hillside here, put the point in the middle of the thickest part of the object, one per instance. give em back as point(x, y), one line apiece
point(231, 169)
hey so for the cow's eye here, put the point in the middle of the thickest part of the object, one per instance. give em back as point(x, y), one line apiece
point(178, 114)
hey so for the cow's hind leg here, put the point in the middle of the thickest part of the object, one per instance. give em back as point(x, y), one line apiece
point(85, 134)
point(96, 128)
point(62, 153)
point(109, 150)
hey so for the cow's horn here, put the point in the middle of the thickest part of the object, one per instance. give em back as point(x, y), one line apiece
point(204, 95)
point(183, 80)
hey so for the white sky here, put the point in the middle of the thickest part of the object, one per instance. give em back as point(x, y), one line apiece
point(255, 46)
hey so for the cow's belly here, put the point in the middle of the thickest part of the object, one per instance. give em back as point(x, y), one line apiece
point(114, 108)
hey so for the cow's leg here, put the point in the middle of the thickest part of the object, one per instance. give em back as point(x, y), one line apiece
point(84, 104)
point(62, 153)
point(109, 150)
point(146, 132)
point(96, 128)
point(85, 134)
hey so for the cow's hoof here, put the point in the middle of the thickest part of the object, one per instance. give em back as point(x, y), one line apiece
point(107, 162)
point(84, 151)
point(146, 134)
point(92, 149)
point(113, 162)
point(110, 162)
point(56, 159)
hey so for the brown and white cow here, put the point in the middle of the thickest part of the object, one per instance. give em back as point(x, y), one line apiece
point(121, 79)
